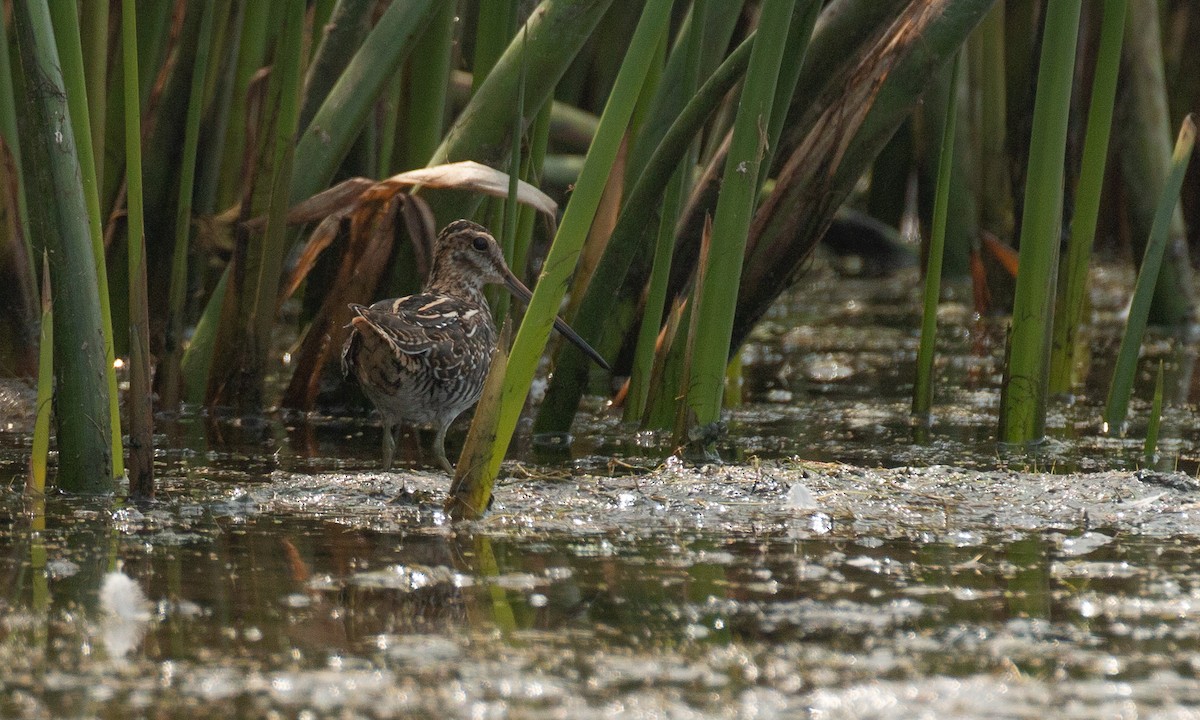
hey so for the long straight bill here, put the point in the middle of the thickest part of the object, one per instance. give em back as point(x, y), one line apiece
point(517, 288)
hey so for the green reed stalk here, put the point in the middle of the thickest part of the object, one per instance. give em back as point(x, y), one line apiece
point(795, 51)
point(40, 450)
point(495, 25)
point(154, 21)
point(570, 372)
point(531, 171)
point(52, 170)
point(557, 30)
point(495, 29)
point(923, 387)
point(153, 41)
point(1143, 153)
point(421, 119)
point(1023, 398)
point(1072, 296)
point(70, 53)
point(662, 402)
point(988, 74)
point(141, 411)
point(656, 297)
point(673, 92)
point(321, 12)
point(251, 55)
point(1121, 387)
point(1150, 446)
point(650, 93)
point(237, 376)
point(196, 364)
point(735, 207)
point(577, 219)
point(224, 187)
point(326, 140)
point(512, 210)
point(389, 122)
point(94, 38)
point(427, 87)
point(169, 387)
point(680, 372)
point(962, 214)
point(664, 246)
point(339, 38)
point(227, 39)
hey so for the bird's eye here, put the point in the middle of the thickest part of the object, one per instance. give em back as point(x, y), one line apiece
point(479, 243)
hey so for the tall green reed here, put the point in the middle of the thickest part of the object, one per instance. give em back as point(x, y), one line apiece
point(139, 400)
point(1121, 388)
point(1023, 399)
point(1072, 298)
point(535, 328)
point(664, 244)
point(595, 310)
point(67, 35)
point(923, 387)
point(735, 206)
point(170, 383)
point(52, 170)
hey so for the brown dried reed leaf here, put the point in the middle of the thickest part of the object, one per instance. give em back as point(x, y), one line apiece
point(338, 200)
point(321, 238)
point(370, 245)
point(356, 197)
point(466, 175)
point(422, 230)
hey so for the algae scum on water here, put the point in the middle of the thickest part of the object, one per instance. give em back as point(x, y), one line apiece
point(777, 591)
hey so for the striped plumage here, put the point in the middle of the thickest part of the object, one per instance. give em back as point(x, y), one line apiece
point(422, 359)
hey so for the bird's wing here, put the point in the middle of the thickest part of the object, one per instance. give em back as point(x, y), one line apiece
point(416, 324)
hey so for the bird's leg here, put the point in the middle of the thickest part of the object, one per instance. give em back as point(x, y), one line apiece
point(389, 444)
point(439, 448)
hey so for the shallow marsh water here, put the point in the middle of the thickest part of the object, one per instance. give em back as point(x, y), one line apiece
point(279, 576)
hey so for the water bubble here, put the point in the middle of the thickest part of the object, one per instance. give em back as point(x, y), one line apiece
point(820, 523)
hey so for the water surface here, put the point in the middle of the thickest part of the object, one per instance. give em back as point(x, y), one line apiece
point(842, 562)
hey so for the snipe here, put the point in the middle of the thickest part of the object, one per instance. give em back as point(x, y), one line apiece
point(422, 359)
